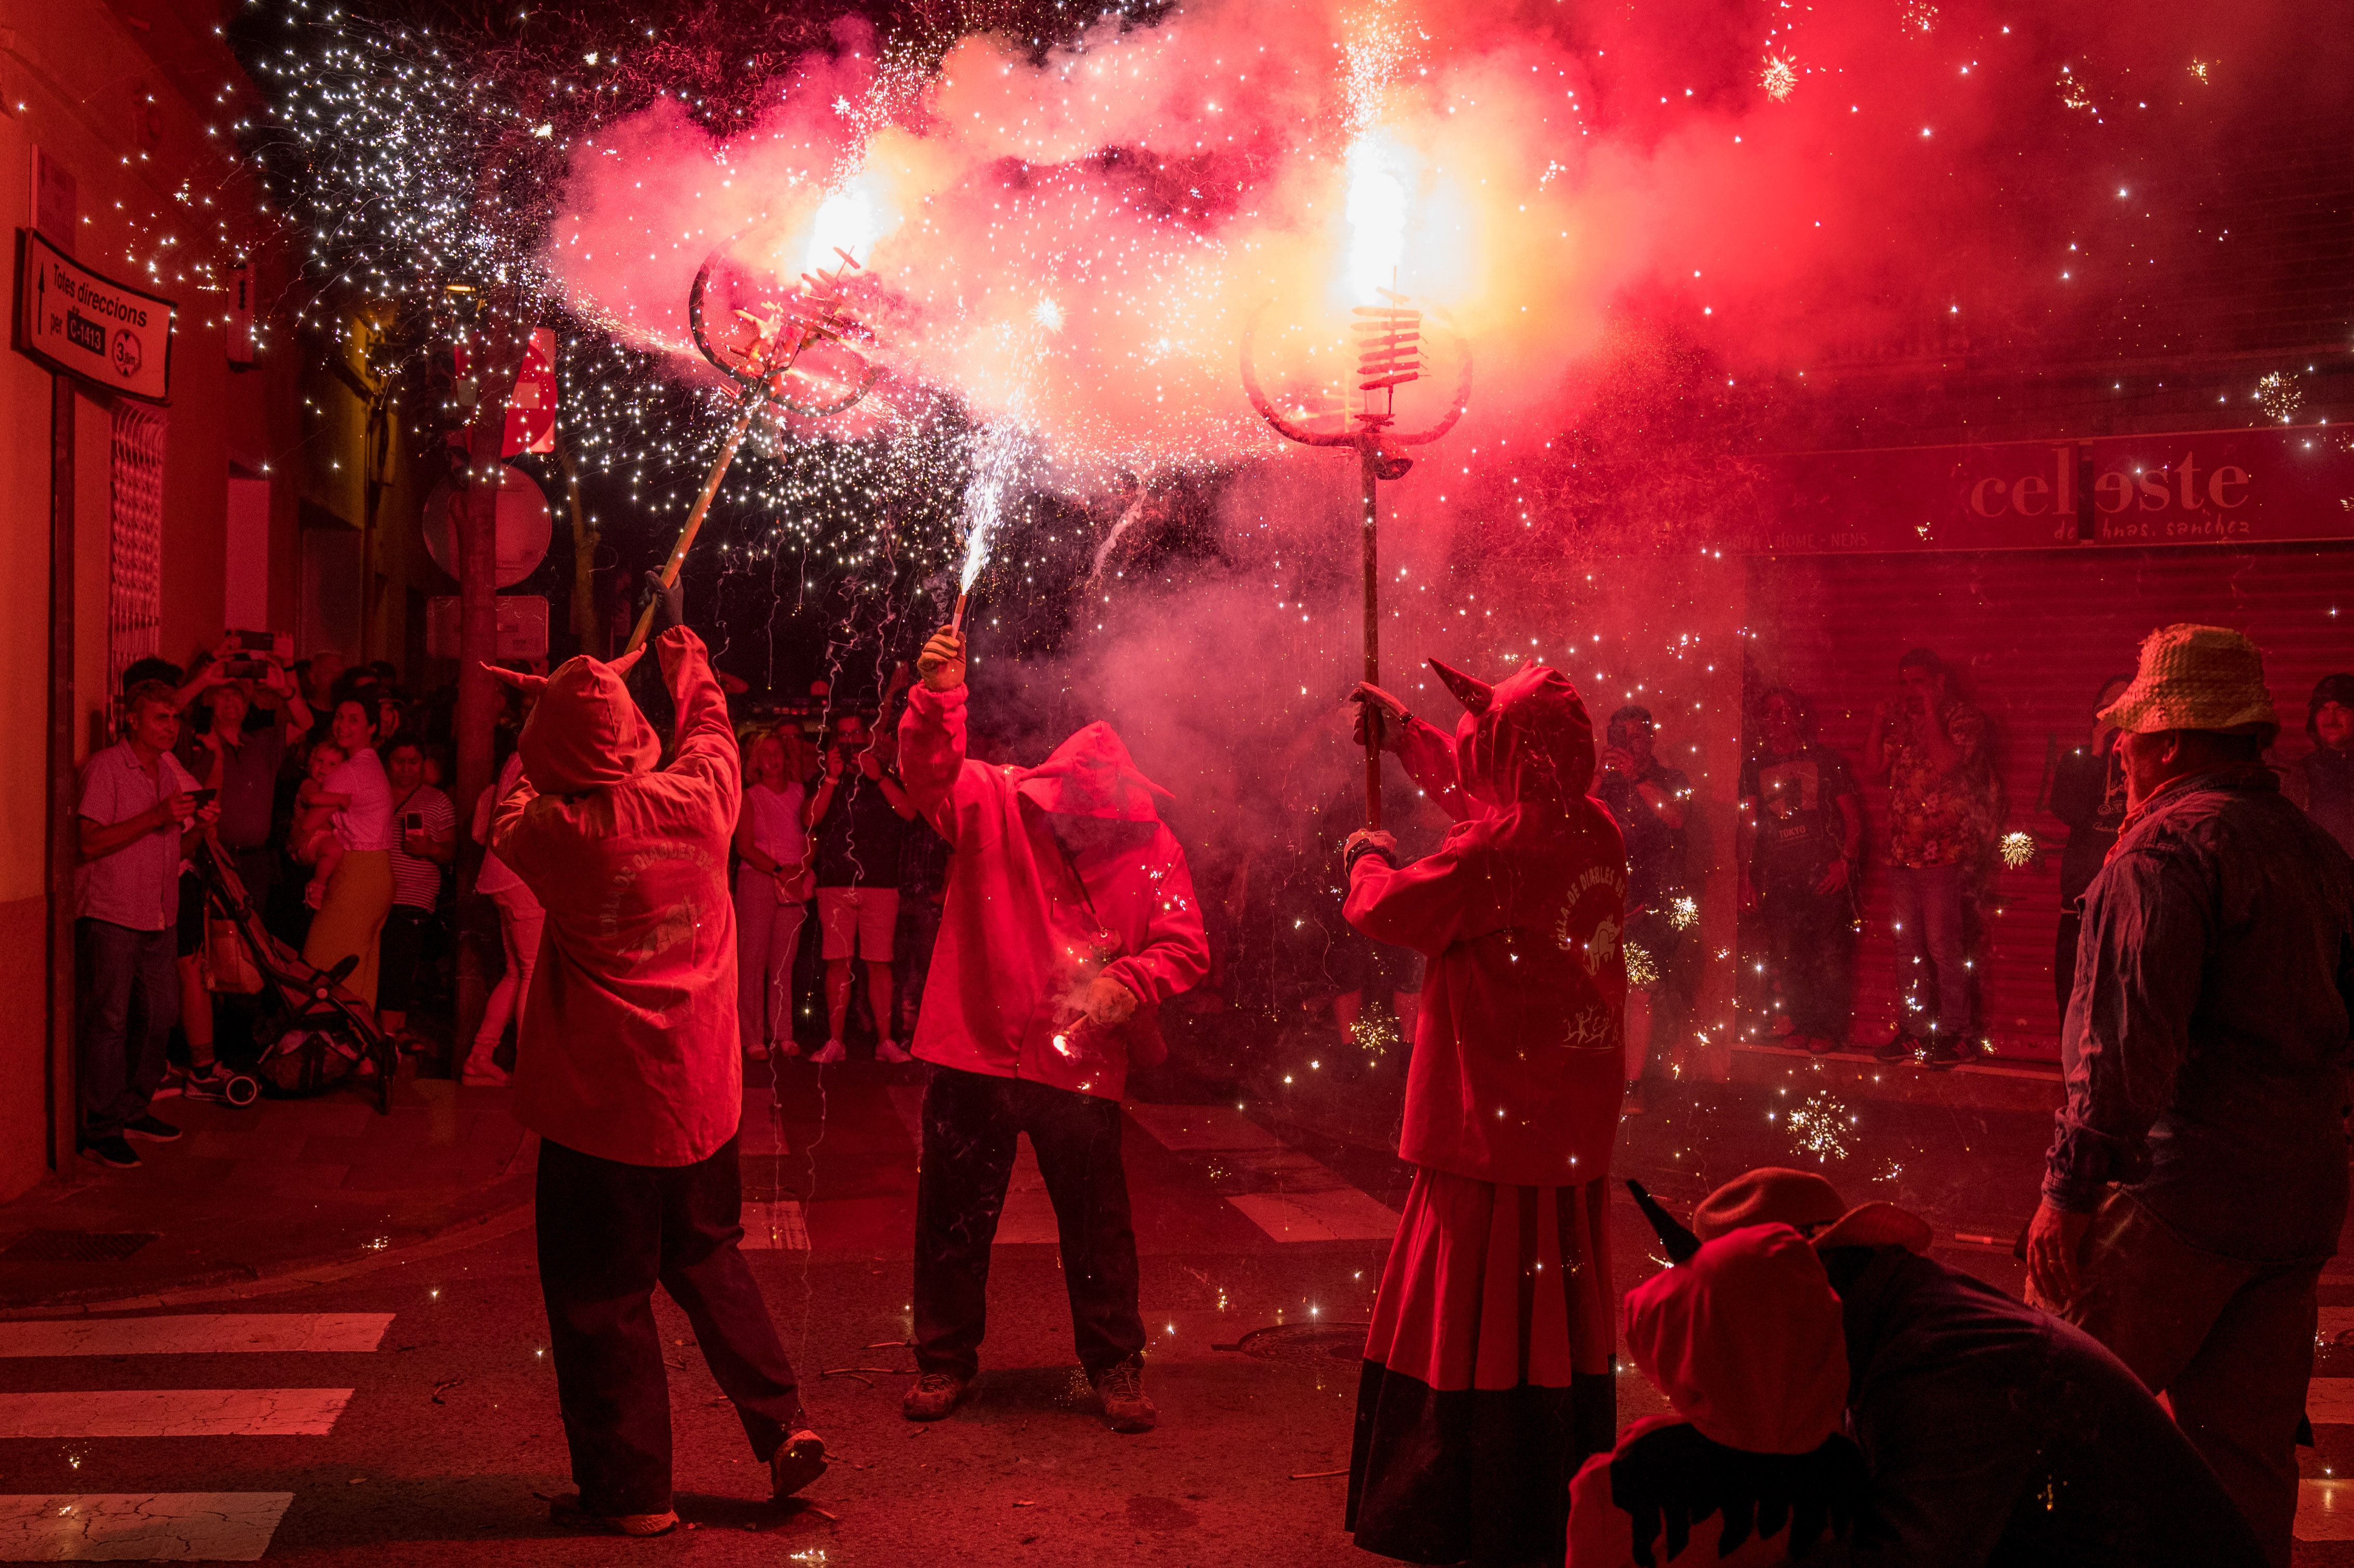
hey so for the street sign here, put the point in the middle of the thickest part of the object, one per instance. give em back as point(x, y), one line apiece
point(522, 626)
point(531, 412)
point(521, 534)
point(79, 322)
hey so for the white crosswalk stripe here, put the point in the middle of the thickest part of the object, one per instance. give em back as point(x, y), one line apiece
point(173, 1412)
point(194, 1335)
point(1299, 1200)
point(166, 1527)
point(135, 1527)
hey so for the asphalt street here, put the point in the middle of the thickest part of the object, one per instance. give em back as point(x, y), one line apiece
point(408, 1414)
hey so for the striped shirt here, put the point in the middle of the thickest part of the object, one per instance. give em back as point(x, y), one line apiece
point(417, 880)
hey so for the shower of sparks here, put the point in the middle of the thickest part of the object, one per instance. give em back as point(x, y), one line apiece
point(2018, 849)
point(1920, 16)
point(1376, 1032)
point(2072, 93)
point(2199, 69)
point(1683, 914)
point(1641, 969)
point(1779, 78)
point(2280, 397)
point(1820, 1126)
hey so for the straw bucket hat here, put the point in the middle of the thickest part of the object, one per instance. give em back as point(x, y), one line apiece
point(2196, 677)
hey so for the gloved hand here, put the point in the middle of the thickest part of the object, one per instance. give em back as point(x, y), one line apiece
point(670, 603)
point(1378, 713)
point(1107, 1001)
point(941, 663)
point(1365, 842)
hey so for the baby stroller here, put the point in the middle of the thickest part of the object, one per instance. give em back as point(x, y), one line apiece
point(312, 1032)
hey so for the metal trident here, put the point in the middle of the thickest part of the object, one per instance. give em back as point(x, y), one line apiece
point(810, 312)
point(1389, 348)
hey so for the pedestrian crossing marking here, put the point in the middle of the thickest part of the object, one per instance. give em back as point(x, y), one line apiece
point(2325, 1510)
point(1188, 1128)
point(142, 1527)
point(194, 1334)
point(2329, 1400)
point(1343, 1213)
point(1309, 1201)
point(780, 1227)
point(173, 1412)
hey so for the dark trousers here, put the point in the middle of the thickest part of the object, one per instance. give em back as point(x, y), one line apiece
point(608, 1234)
point(1813, 955)
point(2229, 1343)
point(969, 1123)
point(131, 999)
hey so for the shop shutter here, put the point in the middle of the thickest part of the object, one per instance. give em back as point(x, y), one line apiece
point(2032, 635)
point(134, 600)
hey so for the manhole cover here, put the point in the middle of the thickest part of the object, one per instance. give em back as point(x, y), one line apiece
point(1304, 1342)
point(75, 1247)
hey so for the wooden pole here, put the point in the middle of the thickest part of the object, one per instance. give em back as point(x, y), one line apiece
point(473, 515)
point(694, 518)
point(1369, 467)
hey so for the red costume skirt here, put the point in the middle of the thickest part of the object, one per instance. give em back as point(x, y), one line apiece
point(1488, 1373)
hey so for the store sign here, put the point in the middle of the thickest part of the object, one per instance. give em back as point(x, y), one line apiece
point(2197, 488)
point(73, 320)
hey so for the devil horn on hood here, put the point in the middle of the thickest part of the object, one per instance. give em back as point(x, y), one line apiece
point(1679, 1241)
point(1474, 695)
point(628, 661)
point(530, 686)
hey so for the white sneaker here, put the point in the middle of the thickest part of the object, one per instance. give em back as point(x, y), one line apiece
point(831, 1052)
point(891, 1051)
point(480, 1072)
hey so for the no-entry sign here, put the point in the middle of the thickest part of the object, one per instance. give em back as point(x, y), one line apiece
point(77, 320)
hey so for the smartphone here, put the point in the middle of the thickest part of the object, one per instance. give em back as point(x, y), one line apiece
point(245, 669)
point(202, 796)
point(412, 821)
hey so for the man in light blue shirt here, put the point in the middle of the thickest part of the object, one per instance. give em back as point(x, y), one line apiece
point(135, 806)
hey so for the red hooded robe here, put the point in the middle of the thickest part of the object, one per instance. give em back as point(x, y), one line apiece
point(1517, 1062)
point(1018, 940)
point(628, 1047)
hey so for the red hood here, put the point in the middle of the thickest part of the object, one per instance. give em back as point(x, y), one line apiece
point(1091, 775)
point(1744, 1340)
point(1526, 740)
point(586, 732)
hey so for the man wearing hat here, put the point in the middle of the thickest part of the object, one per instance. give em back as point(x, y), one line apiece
point(2197, 1179)
point(1995, 1432)
point(2322, 780)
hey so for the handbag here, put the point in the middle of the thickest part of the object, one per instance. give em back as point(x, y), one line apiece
point(228, 963)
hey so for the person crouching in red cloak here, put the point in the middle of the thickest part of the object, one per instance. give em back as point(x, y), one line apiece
point(627, 1066)
point(1489, 1368)
point(1069, 919)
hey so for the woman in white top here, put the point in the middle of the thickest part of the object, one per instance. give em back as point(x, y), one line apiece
point(773, 878)
point(520, 919)
point(360, 894)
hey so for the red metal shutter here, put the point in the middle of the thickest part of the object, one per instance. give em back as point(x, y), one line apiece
point(2032, 635)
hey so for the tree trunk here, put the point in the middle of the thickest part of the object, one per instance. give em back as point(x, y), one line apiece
point(497, 355)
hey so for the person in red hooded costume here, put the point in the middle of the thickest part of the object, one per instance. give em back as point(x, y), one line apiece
point(626, 1066)
point(1744, 1337)
point(1069, 919)
point(1488, 1374)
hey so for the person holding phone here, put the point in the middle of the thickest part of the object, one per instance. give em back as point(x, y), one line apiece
point(133, 812)
point(425, 838)
point(773, 883)
point(234, 735)
point(860, 813)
